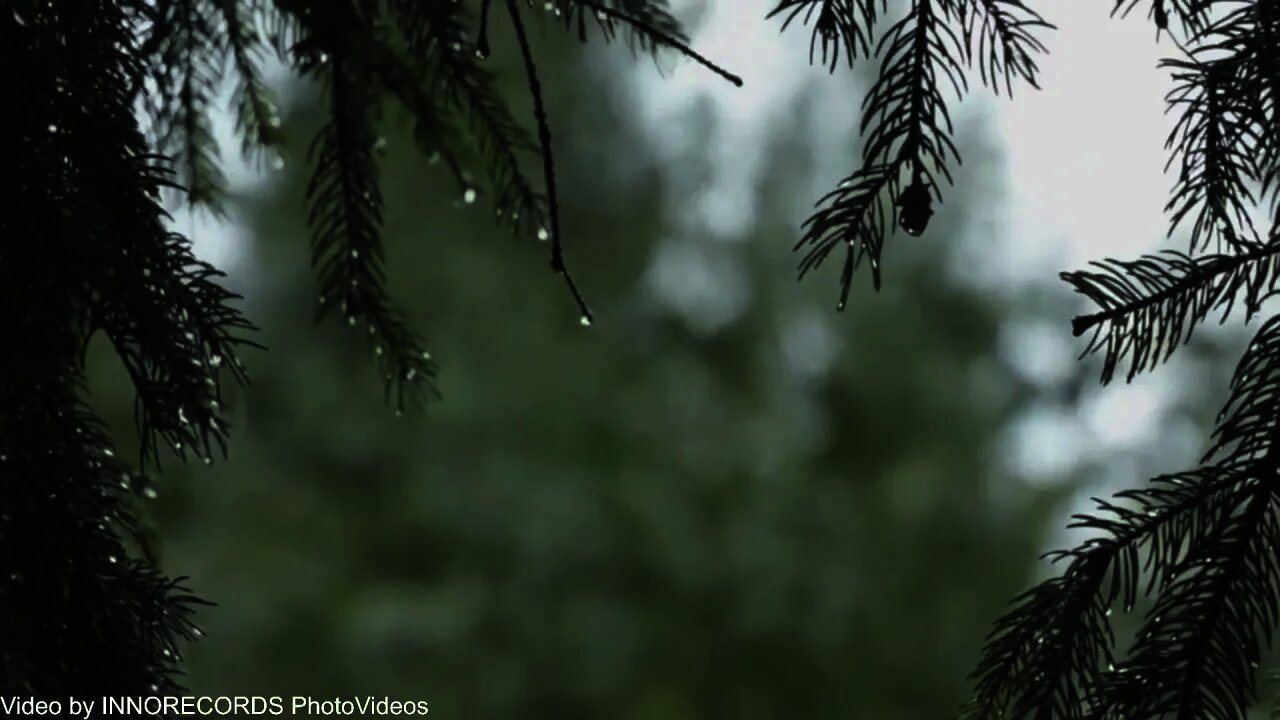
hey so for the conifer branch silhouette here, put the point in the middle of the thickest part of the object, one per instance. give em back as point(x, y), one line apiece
point(257, 120)
point(346, 202)
point(1214, 141)
point(1151, 306)
point(1212, 570)
point(1206, 540)
point(438, 39)
point(998, 37)
point(185, 70)
point(907, 131)
point(86, 251)
point(847, 24)
point(548, 162)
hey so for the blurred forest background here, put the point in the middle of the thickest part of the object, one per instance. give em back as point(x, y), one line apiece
point(723, 499)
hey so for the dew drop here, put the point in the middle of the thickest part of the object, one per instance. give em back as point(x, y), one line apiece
point(410, 373)
point(543, 235)
point(426, 355)
point(351, 320)
point(469, 196)
point(585, 321)
point(150, 493)
point(113, 559)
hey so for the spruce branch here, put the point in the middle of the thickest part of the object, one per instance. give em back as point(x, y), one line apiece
point(1196, 654)
point(548, 164)
point(839, 24)
point(89, 253)
point(187, 69)
point(1209, 538)
point(999, 37)
point(853, 214)
point(907, 131)
point(437, 134)
point(1192, 15)
point(257, 121)
point(652, 27)
point(435, 37)
point(1150, 306)
point(346, 208)
point(1047, 652)
point(1242, 47)
point(1214, 140)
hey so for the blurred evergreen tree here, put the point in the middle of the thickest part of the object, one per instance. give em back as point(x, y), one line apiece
point(644, 519)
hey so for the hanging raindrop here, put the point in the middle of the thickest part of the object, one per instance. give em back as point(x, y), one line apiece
point(916, 205)
point(585, 321)
point(469, 196)
point(543, 235)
